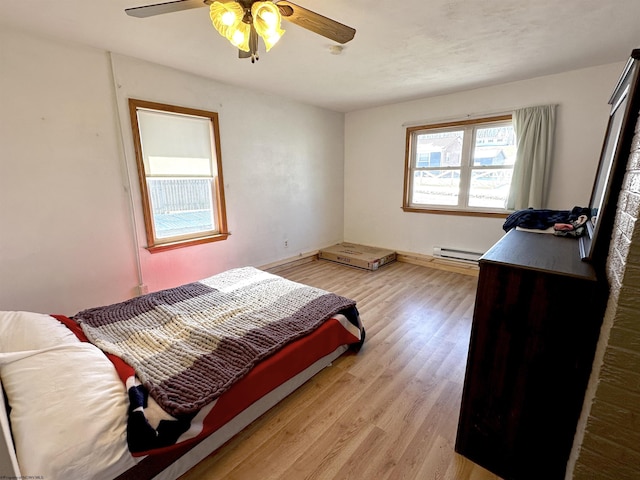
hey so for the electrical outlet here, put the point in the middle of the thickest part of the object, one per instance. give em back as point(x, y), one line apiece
point(286, 244)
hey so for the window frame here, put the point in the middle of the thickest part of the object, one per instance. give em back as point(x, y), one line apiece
point(466, 168)
point(220, 231)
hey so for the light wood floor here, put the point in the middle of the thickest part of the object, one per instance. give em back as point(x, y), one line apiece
point(389, 412)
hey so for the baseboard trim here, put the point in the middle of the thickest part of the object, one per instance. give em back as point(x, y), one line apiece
point(438, 263)
point(405, 257)
point(285, 263)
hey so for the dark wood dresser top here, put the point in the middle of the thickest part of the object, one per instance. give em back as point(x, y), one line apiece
point(541, 252)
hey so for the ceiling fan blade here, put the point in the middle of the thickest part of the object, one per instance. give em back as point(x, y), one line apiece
point(167, 7)
point(315, 22)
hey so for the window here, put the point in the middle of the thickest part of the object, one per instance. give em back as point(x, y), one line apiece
point(460, 167)
point(180, 172)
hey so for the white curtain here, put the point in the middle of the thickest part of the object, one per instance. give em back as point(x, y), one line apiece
point(534, 128)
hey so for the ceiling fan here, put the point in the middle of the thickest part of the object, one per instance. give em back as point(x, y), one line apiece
point(243, 21)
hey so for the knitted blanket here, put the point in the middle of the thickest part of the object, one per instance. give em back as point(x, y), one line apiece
point(189, 344)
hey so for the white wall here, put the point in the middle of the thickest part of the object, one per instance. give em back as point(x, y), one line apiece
point(65, 239)
point(282, 166)
point(375, 150)
point(68, 179)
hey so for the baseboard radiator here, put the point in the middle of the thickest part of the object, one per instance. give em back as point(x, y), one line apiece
point(456, 255)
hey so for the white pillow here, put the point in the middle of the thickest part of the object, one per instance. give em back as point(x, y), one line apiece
point(68, 405)
point(21, 331)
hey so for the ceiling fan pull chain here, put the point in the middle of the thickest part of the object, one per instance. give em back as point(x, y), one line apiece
point(253, 44)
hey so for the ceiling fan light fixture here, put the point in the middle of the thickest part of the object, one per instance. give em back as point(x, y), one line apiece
point(234, 22)
point(227, 18)
point(266, 20)
point(243, 22)
point(271, 40)
point(240, 36)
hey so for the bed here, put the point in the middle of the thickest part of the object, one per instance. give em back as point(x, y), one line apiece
point(149, 387)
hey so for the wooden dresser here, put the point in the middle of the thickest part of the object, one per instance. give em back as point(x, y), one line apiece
point(536, 323)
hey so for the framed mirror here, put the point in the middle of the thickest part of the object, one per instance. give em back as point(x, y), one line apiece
point(615, 149)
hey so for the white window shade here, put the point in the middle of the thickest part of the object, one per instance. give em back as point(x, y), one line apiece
point(179, 166)
point(170, 136)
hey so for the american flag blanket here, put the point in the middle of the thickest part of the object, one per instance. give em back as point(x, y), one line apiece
point(186, 346)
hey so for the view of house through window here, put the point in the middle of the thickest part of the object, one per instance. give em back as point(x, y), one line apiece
point(460, 166)
point(180, 173)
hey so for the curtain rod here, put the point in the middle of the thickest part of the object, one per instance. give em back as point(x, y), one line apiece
point(469, 116)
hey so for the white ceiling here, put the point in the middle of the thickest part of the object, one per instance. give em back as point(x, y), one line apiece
point(401, 51)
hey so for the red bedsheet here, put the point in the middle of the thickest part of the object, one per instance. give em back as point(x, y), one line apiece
point(263, 378)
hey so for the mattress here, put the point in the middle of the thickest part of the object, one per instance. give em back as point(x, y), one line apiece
point(69, 410)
